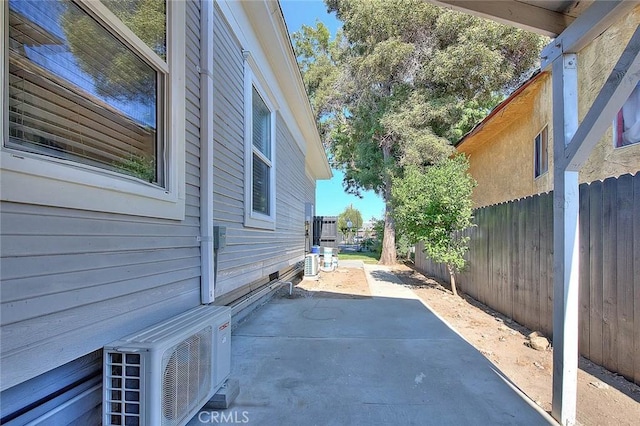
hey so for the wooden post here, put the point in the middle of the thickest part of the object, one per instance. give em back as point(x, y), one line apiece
point(565, 243)
point(572, 146)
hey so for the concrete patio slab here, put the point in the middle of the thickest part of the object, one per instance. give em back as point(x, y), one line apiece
point(381, 360)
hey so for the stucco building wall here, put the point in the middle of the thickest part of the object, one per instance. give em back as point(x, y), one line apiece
point(595, 63)
point(501, 148)
point(501, 153)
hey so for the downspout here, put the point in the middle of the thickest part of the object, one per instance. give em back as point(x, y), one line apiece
point(207, 282)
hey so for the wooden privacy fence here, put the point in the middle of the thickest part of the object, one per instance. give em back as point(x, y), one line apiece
point(510, 268)
point(325, 231)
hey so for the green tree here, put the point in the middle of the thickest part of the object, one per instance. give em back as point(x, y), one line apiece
point(319, 59)
point(432, 205)
point(408, 78)
point(350, 214)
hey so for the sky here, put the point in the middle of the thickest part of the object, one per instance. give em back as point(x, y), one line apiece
point(331, 200)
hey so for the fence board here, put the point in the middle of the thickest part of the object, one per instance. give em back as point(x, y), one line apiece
point(584, 294)
point(596, 295)
point(510, 268)
point(513, 255)
point(609, 287)
point(546, 263)
point(476, 276)
point(526, 283)
point(490, 291)
point(624, 275)
point(325, 231)
point(482, 290)
point(479, 278)
point(506, 258)
point(535, 262)
point(465, 276)
point(485, 292)
point(636, 277)
point(519, 311)
point(502, 264)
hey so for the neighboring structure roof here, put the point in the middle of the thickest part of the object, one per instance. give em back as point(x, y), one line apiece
point(502, 105)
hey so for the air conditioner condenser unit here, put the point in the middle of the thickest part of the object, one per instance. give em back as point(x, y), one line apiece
point(164, 374)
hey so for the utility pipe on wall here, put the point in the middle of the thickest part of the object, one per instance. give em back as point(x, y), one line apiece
point(207, 280)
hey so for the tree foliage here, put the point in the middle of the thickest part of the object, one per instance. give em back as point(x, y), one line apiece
point(318, 58)
point(432, 205)
point(400, 82)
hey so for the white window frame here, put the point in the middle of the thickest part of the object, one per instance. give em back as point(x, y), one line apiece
point(618, 120)
point(37, 179)
point(254, 219)
point(543, 134)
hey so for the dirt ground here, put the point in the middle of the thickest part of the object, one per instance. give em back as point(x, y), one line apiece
point(604, 398)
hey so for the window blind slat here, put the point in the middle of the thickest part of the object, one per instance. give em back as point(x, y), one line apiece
point(261, 186)
point(36, 100)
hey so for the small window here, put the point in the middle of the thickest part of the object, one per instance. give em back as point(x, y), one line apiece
point(259, 154)
point(541, 153)
point(627, 122)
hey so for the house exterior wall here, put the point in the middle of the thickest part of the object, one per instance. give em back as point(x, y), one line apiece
point(501, 154)
point(75, 280)
point(310, 210)
point(251, 253)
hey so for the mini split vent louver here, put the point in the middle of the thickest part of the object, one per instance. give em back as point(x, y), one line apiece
point(164, 374)
point(311, 263)
point(186, 376)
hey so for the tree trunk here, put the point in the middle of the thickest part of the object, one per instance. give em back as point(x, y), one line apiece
point(453, 280)
point(388, 255)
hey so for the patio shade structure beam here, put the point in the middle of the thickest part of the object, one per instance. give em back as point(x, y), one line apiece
point(573, 144)
point(520, 14)
point(565, 243)
point(616, 91)
point(589, 25)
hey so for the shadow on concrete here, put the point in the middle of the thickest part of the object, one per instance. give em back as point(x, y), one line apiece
point(373, 360)
point(424, 282)
point(300, 293)
point(380, 275)
point(612, 379)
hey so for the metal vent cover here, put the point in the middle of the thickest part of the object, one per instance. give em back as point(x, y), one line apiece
point(124, 372)
point(186, 377)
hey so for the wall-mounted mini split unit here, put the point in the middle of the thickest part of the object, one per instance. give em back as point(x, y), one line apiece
point(311, 264)
point(163, 375)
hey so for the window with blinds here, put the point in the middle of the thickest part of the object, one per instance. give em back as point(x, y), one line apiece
point(261, 168)
point(78, 92)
